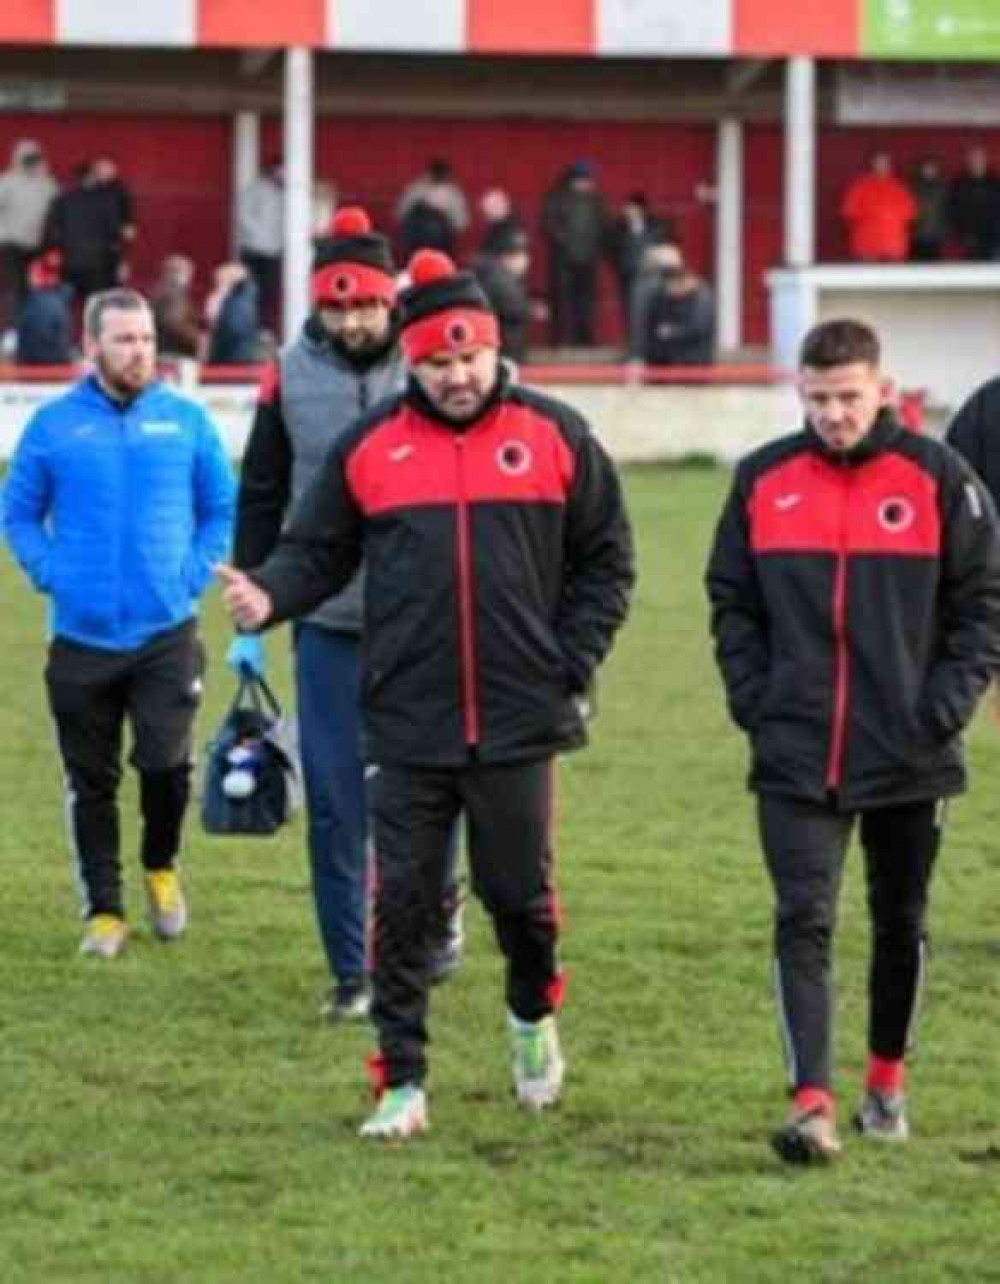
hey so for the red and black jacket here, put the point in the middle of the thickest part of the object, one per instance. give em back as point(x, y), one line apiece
point(499, 564)
point(856, 614)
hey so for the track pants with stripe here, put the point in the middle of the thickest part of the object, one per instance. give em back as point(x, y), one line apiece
point(805, 845)
point(92, 693)
point(333, 772)
point(508, 821)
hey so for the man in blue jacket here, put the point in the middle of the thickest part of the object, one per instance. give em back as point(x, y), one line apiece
point(119, 501)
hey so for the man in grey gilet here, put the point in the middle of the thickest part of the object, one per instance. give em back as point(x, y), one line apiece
point(345, 361)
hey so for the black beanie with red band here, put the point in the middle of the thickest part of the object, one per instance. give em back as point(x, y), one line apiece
point(353, 263)
point(444, 310)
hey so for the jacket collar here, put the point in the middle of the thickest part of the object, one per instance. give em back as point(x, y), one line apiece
point(92, 388)
point(883, 434)
point(427, 410)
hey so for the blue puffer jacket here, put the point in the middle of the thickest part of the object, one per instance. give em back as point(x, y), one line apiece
point(119, 512)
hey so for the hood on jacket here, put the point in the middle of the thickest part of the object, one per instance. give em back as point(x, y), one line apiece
point(23, 150)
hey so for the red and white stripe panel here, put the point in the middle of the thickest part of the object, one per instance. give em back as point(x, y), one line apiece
point(614, 27)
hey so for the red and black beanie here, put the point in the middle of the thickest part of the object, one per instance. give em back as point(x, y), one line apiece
point(353, 263)
point(444, 310)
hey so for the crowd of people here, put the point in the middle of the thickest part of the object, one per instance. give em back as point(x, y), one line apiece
point(68, 244)
point(925, 216)
point(60, 246)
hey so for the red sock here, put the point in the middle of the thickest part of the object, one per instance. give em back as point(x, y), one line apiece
point(884, 1075)
point(808, 1099)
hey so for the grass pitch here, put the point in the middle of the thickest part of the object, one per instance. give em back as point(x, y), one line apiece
point(182, 1116)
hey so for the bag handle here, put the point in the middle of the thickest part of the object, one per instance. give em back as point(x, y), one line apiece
point(259, 693)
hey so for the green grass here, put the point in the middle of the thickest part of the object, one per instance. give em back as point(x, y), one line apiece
point(182, 1117)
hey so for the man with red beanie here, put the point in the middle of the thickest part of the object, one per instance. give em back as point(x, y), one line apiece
point(346, 359)
point(499, 563)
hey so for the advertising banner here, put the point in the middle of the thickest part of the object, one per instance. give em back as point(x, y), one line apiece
point(932, 29)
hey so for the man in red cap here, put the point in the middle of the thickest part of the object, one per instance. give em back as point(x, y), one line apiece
point(499, 563)
point(45, 321)
point(346, 359)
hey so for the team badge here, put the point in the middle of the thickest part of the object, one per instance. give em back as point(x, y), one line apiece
point(458, 333)
point(513, 458)
point(896, 514)
point(343, 285)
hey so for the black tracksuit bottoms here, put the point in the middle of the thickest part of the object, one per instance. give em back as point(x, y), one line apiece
point(414, 811)
point(804, 846)
point(92, 692)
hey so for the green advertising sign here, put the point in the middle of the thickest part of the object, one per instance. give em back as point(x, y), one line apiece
point(932, 29)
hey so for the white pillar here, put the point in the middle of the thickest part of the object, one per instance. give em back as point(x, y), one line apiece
point(800, 162)
point(729, 234)
point(245, 163)
point(298, 163)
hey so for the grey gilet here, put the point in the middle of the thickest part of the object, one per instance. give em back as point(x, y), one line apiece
point(321, 396)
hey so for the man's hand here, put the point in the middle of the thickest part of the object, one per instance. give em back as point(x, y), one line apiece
point(249, 607)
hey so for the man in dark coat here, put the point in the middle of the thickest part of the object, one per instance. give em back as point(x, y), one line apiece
point(499, 567)
point(85, 225)
point(503, 274)
point(974, 207)
point(855, 593)
point(575, 223)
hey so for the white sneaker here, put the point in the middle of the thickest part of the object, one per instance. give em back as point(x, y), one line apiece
point(401, 1113)
point(883, 1116)
point(347, 1005)
point(537, 1062)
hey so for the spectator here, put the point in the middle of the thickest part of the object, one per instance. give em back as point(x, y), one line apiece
point(878, 210)
point(45, 322)
point(26, 192)
point(678, 323)
point(84, 224)
point(930, 228)
point(432, 211)
point(503, 275)
point(657, 258)
point(633, 231)
point(575, 223)
point(233, 316)
point(499, 219)
point(179, 329)
point(260, 234)
point(974, 207)
point(118, 504)
point(121, 213)
point(324, 206)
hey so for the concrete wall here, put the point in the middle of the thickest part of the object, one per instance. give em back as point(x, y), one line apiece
point(636, 424)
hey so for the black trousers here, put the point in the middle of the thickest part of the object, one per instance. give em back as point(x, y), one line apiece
point(804, 846)
point(266, 271)
point(414, 813)
point(92, 693)
point(14, 260)
point(573, 301)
